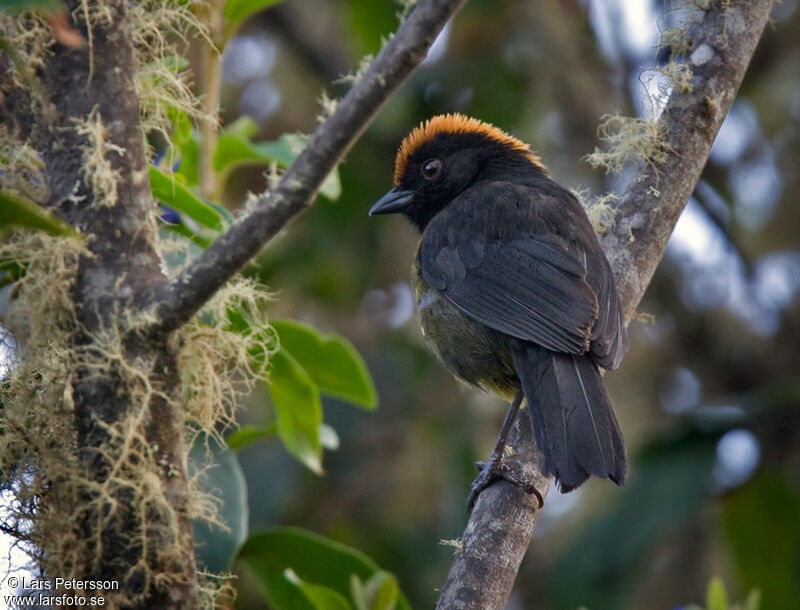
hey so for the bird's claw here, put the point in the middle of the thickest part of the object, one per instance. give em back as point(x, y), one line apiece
point(495, 469)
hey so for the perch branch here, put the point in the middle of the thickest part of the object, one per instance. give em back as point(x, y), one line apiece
point(499, 530)
point(179, 300)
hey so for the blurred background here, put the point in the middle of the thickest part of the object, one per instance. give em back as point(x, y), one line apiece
point(708, 396)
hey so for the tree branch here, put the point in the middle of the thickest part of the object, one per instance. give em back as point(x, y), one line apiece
point(723, 43)
point(499, 530)
point(179, 300)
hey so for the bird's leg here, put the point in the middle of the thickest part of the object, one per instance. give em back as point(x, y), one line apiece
point(495, 468)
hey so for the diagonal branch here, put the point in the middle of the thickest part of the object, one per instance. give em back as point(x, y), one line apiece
point(499, 530)
point(180, 299)
point(724, 42)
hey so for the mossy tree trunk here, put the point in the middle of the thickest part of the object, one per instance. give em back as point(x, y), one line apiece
point(97, 174)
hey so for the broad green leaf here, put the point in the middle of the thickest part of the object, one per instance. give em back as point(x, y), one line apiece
point(177, 196)
point(320, 596)
point(249, 434)
point(716, 599)
point(237, 10)
point(244, 127)
point(380, 592)
point(330, 360)
point(218, 473)
point(222, 211)
point(358, 593)
point(312, 557)
point(236, 149)
point(21, 212)
point(386, 591)
point(298, 409)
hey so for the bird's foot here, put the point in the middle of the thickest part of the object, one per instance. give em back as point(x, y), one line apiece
point(489, 472)
point(493, 470)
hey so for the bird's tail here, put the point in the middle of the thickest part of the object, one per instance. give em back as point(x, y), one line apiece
point(571, 415)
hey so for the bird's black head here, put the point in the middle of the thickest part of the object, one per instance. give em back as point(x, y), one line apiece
point(443, 157)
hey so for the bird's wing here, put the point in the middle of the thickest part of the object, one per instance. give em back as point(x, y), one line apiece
point(609, 335)
point(495, 267)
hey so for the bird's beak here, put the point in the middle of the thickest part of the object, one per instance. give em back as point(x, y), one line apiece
point(391, 202)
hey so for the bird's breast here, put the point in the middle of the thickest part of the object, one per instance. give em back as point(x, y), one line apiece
point(473, 352)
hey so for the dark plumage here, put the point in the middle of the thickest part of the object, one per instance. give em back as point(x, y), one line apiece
point(513, 290)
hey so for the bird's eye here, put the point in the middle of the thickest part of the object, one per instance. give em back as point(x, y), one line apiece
point(431, 169)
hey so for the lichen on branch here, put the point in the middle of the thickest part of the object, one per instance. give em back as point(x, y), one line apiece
point(628, 140)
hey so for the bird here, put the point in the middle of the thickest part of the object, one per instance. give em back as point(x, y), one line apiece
point(513, 292)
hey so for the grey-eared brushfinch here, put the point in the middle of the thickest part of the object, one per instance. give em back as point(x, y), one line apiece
point(513, 291)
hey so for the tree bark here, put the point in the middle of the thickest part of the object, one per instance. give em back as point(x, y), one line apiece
point(93, 87)
point(723, 41)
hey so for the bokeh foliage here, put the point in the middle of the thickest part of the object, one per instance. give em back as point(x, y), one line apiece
point(397, 481)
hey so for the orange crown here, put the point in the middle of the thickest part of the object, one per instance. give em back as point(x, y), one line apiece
point(455, 124)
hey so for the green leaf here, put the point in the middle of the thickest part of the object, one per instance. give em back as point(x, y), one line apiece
point(222, 211)
point(320, 597)
point(244, 127)
point(249, 434)
point(312, 557)
point(177, 196)
point(716, 599)
point(238, 10)
point(235, 149)
point(386, 591)
point(189, 156)
point(380, 592)
point(298, 409)
point(21, 212)
point(218, 473)
point(330, 360)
